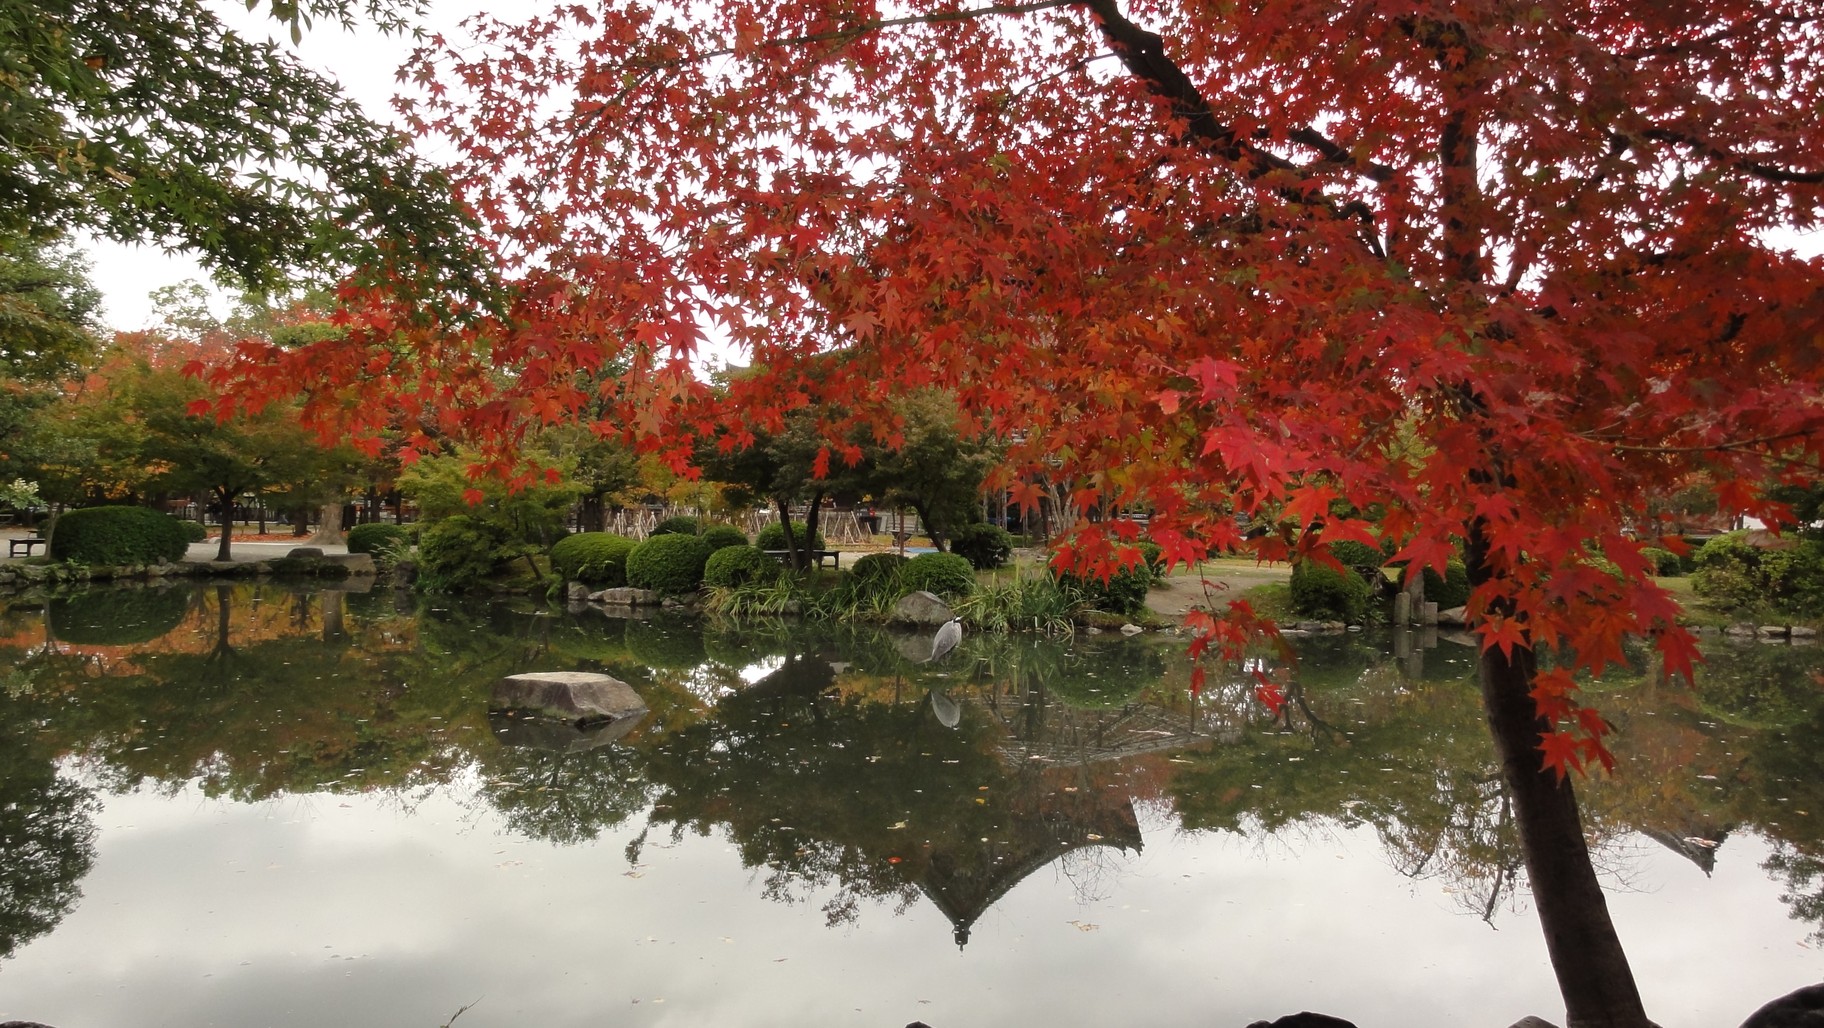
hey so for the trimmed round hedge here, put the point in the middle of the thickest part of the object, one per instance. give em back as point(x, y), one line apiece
point(374, 538)
point(772, 537)
point(593, 558)
point(668, 564)
point(194, 530)
point(723, 536)
point(985, 547)
point(113, 536)
point(682, 524)
point(1452, 590)
point(731, 566)
point(945, 574)
point(1319, 591)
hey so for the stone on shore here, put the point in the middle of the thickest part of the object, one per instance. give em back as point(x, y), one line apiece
point(921, 608)
point(627, 596)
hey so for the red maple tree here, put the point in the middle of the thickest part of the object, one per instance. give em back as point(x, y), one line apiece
point(1498, 272)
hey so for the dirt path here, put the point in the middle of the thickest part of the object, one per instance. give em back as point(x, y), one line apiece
point(1216, 584)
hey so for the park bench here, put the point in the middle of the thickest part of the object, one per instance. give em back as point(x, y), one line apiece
point(819, 556)
point(13, 545)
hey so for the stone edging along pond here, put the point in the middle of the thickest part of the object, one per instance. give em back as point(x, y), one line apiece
point(20, 576)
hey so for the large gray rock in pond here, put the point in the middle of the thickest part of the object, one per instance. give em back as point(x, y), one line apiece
point(300, 552)
point(575, 696)
point(921, 608)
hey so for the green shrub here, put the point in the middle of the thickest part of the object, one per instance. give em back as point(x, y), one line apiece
point(1666, 564)
point(1124, 592)
point(1154, 556)
point(945, 574)
point(668, 564)
point(772, 537)
point(1360, 558)
point(592, 558)
point(679, 525)
point(194, 530)
point(457, 553)
point(375, 538)
point(113, 536)
point(723, 536)
point(1724, 550)
point(985, 547)
point(1323, 592)
point(1452, 590)
point(731, 566)
point(1795, 578)
point(878, 567)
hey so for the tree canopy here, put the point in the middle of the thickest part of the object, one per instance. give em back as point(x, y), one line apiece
point(1499, 272)
point(155, 122)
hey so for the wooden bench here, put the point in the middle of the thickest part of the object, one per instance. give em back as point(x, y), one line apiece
point(12, 545)
point(819, 556)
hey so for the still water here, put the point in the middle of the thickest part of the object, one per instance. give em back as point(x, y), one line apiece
point(246, 805)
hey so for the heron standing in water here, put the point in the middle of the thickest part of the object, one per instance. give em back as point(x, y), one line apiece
point(946, 639)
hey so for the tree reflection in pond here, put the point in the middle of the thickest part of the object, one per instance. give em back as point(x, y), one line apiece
point(47, 836)
point(845, 772)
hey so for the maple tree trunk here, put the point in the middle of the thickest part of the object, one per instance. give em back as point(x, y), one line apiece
point(1592, 969)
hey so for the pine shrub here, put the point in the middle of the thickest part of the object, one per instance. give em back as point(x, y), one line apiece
point(457, 553)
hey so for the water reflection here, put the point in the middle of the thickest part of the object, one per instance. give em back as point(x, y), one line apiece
point(846, 774)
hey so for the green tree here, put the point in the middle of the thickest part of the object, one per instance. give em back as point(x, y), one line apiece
point(155, 122)
point(929, 463)
point(48, 333)
point(785, 467)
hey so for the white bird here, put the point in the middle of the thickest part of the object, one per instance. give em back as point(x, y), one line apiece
point(946, 639)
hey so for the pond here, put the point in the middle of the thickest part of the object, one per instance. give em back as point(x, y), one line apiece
point(248, 805)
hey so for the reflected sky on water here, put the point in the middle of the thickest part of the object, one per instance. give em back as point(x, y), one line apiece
point(251, 806)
